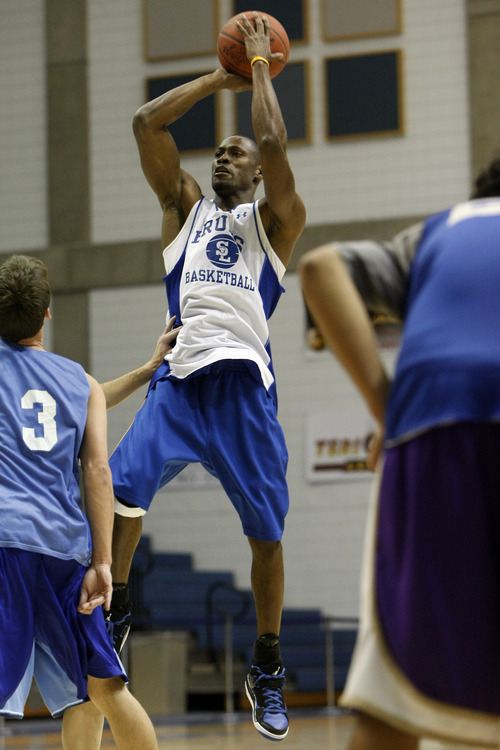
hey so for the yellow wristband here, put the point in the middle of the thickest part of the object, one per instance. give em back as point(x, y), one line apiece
point(255, 59)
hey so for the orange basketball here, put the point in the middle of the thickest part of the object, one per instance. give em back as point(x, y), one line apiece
point(231, 46)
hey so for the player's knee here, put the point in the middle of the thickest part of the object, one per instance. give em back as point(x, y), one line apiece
point(104, 691)
point(265, 550)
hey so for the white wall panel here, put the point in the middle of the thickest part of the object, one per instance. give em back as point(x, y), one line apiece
point(23, 163)
point(124, 325)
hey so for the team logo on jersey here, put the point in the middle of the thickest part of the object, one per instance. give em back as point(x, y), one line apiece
point(223, 251)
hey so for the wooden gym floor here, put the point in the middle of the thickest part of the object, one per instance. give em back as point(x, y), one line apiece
point(319, 728)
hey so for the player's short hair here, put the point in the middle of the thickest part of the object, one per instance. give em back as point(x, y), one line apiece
point(24, 297)
point(487, 184)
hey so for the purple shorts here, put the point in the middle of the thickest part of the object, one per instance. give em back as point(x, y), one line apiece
point(438, 563)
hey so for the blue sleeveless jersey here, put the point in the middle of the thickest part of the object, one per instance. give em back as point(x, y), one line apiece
point(449, 363)
point(43, 411)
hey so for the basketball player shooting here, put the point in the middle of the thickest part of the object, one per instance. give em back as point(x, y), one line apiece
point(213, 400)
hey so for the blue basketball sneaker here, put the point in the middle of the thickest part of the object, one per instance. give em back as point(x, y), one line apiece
point(264, 690)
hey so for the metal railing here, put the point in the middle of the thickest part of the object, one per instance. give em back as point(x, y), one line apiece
point(231, 608)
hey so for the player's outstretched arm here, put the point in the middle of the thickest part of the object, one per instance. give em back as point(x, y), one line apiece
point(176, 189)
point(99, 501)
point(117, 390)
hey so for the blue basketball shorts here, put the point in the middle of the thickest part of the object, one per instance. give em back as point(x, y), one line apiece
point(223, 418)
point(43, 636)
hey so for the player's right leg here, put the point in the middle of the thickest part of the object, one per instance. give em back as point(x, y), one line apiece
point(130, 725)
point(165, 436)
point(252, 470)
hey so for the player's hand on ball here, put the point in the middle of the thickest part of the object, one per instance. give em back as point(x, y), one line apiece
point(251, 35)
point(256, 34)
point(234, 82)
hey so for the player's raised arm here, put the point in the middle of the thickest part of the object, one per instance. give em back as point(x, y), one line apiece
point(176, 189)
point(282, 210)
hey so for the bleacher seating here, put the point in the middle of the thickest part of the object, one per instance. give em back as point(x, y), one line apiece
point(168, 592)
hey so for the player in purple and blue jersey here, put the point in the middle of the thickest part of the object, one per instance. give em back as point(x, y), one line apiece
point(427, 659)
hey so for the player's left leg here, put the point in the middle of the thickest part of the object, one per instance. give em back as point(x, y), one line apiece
point(268, 582)
point(130, 725)
point(266, 678)
point(251, 466)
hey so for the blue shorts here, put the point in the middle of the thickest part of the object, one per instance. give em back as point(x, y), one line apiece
point(222, 418)
point(43, 635)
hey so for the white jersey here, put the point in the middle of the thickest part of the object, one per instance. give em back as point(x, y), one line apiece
point(223, 283)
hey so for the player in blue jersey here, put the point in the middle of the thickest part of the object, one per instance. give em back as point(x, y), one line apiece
point(427, 661)
point(213, 401)
point(55, 558)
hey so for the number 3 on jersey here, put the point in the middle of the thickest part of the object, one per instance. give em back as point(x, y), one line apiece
point(46, 417)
